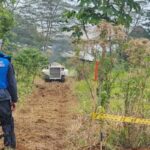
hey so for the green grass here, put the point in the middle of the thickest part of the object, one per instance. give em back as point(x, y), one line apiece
point(24, 89)
point(83, 93)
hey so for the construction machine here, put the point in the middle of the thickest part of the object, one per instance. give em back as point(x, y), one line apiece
point(55, 72)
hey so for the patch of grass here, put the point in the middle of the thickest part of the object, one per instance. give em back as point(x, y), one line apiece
point(24, 89)
point(116, 106)
point(83, 93)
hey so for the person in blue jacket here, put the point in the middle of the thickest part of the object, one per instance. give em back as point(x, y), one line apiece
point(8, 99)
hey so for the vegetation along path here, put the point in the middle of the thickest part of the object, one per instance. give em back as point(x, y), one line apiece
point(42, 121)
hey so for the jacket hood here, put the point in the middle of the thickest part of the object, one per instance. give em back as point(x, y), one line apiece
point(5, 56)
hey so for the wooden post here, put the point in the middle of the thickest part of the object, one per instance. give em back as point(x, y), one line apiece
point(96, 71)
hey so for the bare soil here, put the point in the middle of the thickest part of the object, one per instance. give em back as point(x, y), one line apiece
point(43, 119)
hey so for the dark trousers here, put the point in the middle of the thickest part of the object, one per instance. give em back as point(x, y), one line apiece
point(7, 123)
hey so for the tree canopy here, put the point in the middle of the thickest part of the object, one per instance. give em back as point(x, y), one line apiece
point(6, 19)
point(95, 11)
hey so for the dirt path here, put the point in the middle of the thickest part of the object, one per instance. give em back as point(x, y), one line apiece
point(42, 121)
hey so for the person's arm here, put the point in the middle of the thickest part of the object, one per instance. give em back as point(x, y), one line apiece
point(12, 84)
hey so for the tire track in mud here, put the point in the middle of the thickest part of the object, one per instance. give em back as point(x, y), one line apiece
point(42, 121)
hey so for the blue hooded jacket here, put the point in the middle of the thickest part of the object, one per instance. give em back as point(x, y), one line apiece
point(8, 88)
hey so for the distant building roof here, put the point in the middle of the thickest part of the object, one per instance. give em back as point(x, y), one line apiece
point(82, 55)
point(86, 56)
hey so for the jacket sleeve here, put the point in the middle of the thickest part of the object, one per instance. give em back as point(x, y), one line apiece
point(12, 84)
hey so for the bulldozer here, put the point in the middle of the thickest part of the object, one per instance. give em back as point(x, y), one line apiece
point(55, 72)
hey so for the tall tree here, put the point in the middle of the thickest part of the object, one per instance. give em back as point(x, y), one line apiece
point(143, 16)
point(44, 15)
point(6, 18)
point(92, 12)
point(95, 11)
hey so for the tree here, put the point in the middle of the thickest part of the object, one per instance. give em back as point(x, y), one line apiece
point(143, 17)
point(93, 12)
point(6, 19)
point(24, 33)
point(146, 15)
point(45, 16)
point(28, 62)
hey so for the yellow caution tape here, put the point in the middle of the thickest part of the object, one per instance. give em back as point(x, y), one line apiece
point(116, 118)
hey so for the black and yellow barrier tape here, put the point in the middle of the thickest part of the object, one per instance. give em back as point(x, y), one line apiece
point(133, 120)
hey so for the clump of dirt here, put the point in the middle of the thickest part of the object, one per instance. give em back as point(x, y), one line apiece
point(42, 121)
